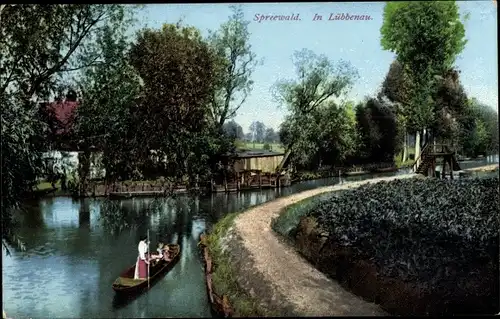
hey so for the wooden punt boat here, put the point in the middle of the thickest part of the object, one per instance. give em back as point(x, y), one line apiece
point(126, 284)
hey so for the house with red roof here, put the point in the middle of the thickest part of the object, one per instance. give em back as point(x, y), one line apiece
point(60, 115)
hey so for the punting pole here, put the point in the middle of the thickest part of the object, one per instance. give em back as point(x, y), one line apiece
point(149, 259)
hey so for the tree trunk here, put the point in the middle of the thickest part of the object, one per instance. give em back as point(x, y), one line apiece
point(83, 171)
point(405, 146)
point(64, 186)
point(424, 138)
point(417, 144)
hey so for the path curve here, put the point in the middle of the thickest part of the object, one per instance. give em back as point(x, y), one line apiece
point(286, 273)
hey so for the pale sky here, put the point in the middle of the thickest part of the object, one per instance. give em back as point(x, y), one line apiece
point(355, 41)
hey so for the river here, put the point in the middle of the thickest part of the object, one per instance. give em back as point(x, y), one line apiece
point(72, 256)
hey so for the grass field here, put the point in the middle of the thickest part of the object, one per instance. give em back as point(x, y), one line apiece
point(409, 162)
point(275, 147)
point(44, 185)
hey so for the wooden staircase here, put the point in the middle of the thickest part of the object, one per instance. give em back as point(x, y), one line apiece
point(429, 155)
point(283, 162)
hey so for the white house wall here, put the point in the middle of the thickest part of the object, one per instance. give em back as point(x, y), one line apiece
point(69, 163)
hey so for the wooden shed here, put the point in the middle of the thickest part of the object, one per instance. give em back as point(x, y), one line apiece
point(253, 169)
point(257, 160)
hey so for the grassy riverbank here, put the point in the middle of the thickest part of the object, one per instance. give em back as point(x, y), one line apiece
point(289, 216)
point(224, 278)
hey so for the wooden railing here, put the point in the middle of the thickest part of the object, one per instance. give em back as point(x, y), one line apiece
point(431, 148)
point(440, 148)
point(418, 160)
point(283, 161)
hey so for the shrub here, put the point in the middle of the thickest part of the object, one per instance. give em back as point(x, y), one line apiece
point(267, 146)
point(415, 229)
point(289, 217)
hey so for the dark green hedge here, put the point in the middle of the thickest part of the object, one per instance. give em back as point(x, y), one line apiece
point(290, 216)
point(418, 229)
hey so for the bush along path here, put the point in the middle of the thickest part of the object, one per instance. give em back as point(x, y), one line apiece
point(416, 247)
point(270, 275)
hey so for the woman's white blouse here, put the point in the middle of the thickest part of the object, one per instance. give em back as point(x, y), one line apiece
point(143, 249)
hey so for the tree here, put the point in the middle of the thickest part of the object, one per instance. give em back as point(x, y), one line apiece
point(234, 130)
point(38, 44)
point(300, 136)
point(249, 136)
point(396, 85)
point(337, 135)
point(110, 92)
point(396, 89)
point(285, 132)
point(450, 103)
point(270, 135)
point(179, 72)
point(426, 37)
point(258, 130)
point(478, 129)
point(318, 79)
point(237, 62)
point(377, 126)
point(325, 136)
point(449, 100)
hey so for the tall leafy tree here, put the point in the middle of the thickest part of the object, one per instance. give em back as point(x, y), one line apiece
point(318, 80)
point(426, 37)
point(450, 103)
point(232, 44)
point(337, 135)
point(300, 136)
point(234, 130)
point(38, 45)
point(377, 126)
point(478, 129)
point(179, 71)
point(325, 136)
point(110, 92)
point(270, 135)
point(40, 42)
point(396, 89)
point(258, 130)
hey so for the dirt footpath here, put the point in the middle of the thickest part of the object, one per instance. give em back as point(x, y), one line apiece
point(277, 271)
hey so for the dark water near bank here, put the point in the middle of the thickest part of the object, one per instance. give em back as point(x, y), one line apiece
point(72, 258)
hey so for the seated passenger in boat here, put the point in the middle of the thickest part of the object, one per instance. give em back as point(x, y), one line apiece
point(141, 266)
point(158, 256)
point(166, 253)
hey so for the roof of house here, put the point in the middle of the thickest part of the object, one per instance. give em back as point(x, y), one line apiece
point(256, 153)
point(63, 112)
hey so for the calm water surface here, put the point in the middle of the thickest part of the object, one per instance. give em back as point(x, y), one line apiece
point(72, 256)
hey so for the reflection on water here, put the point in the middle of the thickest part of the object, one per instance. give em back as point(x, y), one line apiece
point(71, 258)
point(488, 160)
point(71, 261)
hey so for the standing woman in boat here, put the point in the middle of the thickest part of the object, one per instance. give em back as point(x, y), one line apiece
point(141, 266)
